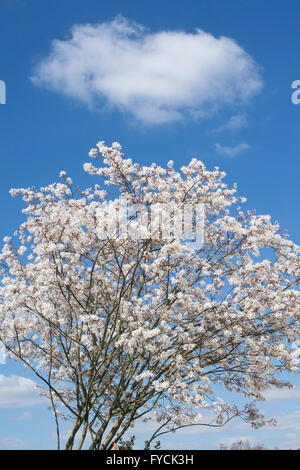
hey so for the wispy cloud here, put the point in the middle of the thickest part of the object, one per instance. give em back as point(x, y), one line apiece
point(157, 77)
point(235, 122)
point(18, 392)
point(289, 421)
point(231, 151)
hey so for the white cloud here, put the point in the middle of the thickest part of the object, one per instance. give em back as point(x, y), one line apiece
point(235, 122)
point(233, 151)
point(288, 421)
point(18, 392)
point(156, 77)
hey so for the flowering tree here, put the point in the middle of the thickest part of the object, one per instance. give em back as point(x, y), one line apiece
point(119, 328)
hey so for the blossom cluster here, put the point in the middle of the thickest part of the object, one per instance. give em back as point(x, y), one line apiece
point(117, 327)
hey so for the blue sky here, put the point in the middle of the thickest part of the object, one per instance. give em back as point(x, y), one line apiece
point(62, 98)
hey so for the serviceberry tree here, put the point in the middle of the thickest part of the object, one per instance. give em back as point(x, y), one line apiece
point(120, 327)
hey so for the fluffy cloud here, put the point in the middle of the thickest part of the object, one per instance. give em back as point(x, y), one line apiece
point(18, 392)
point(156, 77)
point(233, 151)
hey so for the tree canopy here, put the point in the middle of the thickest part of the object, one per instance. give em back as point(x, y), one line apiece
point(120, 328)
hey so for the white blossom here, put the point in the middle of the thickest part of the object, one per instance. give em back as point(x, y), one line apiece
point(119, 325)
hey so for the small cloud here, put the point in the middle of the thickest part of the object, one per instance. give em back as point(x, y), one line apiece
point(233, 151)
point(18, 392)
point(156, 77)
point(235, 122)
